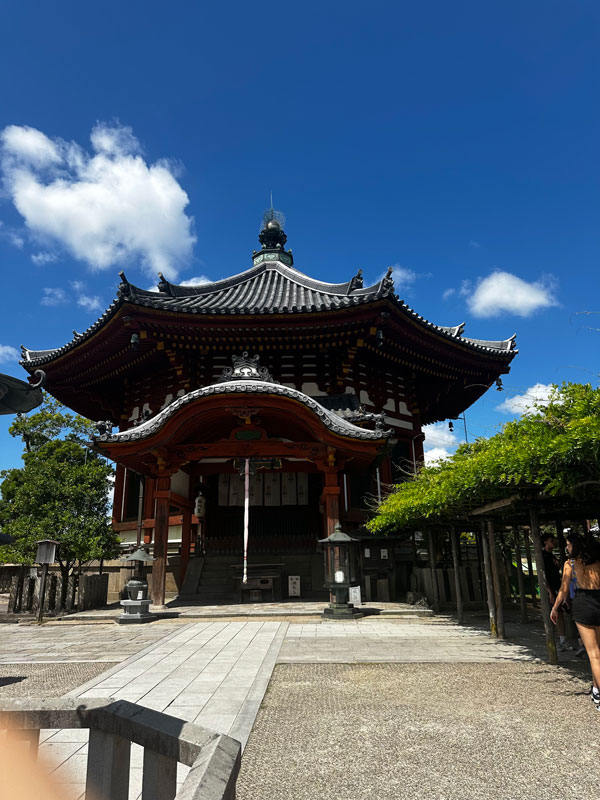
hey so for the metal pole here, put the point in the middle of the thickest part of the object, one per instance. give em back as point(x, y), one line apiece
point(246, 517)
point(42, 593)
point(465, 424)
point(345, 492)
point(378, 477)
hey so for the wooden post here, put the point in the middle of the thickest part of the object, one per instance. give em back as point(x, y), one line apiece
point(489, 583)
point(457, 583)
point(161, 536)
point(544, 598)
point(42, 596)
point(149, 504)
point(331, 501)
point(532, 591)
point(434, 584)
point(520, 576)
point(496, 580)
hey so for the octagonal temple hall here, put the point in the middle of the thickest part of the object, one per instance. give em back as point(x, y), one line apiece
point(324, 387)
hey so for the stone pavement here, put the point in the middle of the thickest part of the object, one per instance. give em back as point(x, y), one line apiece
point(71, 643)
point(299, 608)
point(216, 672)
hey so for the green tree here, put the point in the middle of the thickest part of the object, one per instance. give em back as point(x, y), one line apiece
point(60, 493)
point(554, 451)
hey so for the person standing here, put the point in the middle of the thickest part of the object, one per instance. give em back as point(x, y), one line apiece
point(584, 564)
point(553, 580)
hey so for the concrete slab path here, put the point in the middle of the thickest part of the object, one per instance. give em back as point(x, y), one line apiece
point(216, 673)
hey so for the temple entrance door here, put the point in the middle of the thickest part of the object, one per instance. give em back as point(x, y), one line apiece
point(284, 513)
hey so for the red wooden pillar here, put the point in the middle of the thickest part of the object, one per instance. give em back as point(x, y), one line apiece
point(331, 501)
point(149, 507)
point(161, 535)
point(186, 537)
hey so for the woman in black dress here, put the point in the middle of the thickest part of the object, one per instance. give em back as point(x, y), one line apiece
point(584, 565)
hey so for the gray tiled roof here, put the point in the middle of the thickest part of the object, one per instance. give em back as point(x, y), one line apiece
point(267, 288)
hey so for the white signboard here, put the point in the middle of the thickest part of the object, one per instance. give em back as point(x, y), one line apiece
point(384, 553)
point(294, 585)
point(367, 552)
point(354, 595)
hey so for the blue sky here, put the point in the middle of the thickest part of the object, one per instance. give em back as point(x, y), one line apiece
point(458, 142)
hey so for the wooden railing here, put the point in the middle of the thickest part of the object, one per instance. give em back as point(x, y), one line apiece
point(214, 758)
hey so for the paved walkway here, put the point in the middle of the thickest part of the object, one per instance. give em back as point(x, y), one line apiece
point(215, 673)
point(299, 608)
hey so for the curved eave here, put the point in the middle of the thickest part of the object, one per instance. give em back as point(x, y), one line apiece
point(341, 298)
point(336, 425)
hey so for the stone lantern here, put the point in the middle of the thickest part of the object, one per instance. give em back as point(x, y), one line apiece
point(136, 607)
point(341, 571)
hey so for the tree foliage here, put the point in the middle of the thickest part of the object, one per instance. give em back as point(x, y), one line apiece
point(555, 451)
point(60, 493)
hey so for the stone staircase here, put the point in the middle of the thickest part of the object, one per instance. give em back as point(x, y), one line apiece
point(208, 581)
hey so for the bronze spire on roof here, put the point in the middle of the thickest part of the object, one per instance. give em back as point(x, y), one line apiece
point(273, 238)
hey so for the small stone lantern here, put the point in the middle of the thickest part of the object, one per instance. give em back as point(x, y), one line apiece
point(136, 607)
point(340, 574)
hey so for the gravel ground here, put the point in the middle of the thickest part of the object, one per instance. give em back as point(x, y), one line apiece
point(435, 731)
point(46, 680)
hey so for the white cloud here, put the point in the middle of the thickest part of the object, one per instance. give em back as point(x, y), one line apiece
point(438, 434)
point(12, 236)
point(440, 442)
point(54, 297)
point(474, 244)
point(447, 293)
point(8, 353)
point(436, 454)
point(502, 292)
point(89, 303)
point(41, 258)
point(105, 207)
point(28, 145)
point(525, 403)
point(199, 280)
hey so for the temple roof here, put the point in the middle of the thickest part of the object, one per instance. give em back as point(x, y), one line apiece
point(267, 288)
point(330, 419)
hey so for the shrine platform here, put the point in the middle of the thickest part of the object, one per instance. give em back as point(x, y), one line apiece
point(282, 611)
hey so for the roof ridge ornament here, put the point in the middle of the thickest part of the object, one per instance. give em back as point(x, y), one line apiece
point(387, 284)
point(356, 282)
point(246, 368)
point(124, 288)
point(163, 285)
